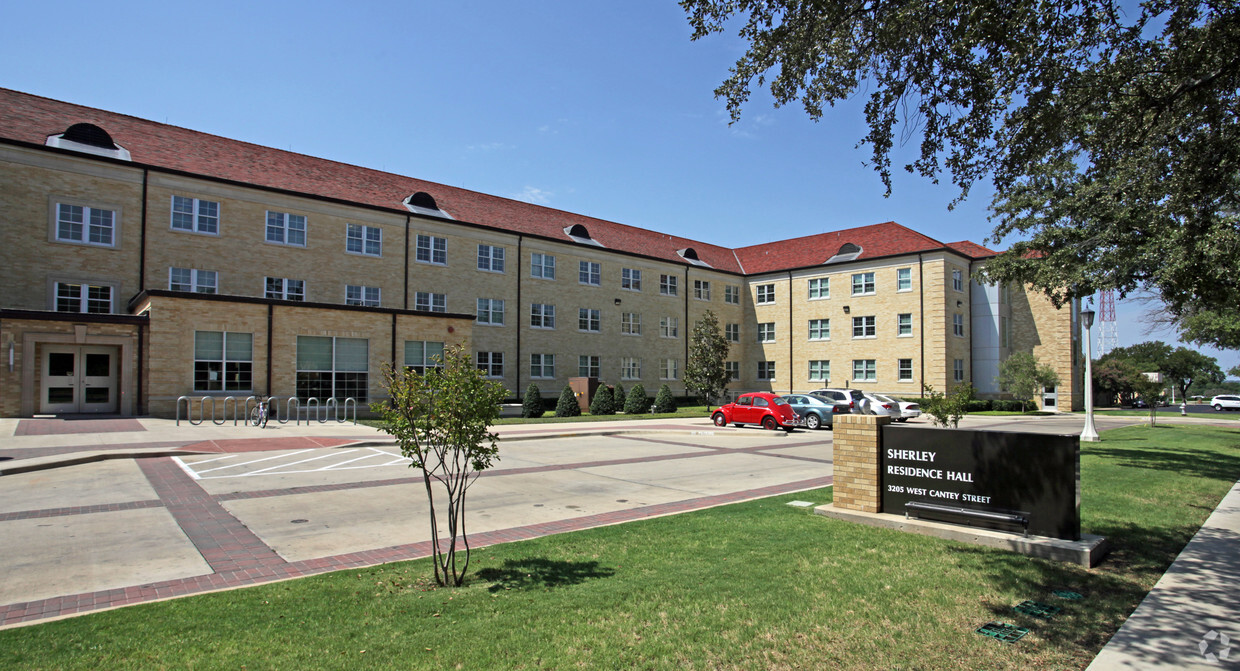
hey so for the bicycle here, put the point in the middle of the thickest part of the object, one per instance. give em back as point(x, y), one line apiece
point(259, 413)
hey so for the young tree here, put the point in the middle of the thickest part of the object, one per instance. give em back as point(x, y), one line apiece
point(567, 406)
point(664, 401)
point(1024, 377)
point(705, 373)
point(602, 403)
point(441, 420)
point(637, 401)
point(1149, 388)
point(946, 410)
point(532, 404)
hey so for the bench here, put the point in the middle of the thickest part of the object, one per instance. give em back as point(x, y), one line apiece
point(1013, 518)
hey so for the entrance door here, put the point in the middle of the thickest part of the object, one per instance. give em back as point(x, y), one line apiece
point(79, 379)
point(1050, 398)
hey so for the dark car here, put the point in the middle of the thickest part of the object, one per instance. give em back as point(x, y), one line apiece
point(817, 411)
point(1139, 403)
point(758, 407)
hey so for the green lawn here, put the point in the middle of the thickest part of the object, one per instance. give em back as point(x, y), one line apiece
point(757, 585)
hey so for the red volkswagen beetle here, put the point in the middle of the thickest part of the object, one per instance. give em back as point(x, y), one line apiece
point(758, 407)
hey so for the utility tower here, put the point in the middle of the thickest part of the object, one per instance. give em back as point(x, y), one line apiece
point(1108, 337)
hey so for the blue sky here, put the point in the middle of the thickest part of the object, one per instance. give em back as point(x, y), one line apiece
point(605, 109)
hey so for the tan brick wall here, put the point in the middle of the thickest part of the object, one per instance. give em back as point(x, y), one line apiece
point(1050, 333)
point(856, 457)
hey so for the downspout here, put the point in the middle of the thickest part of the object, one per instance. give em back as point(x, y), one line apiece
point(138, 405)
point(687, 329)
point(270, 336)
point(393, 340)
point(968, 302)
point(407, 220)
point(517, 315)
point(921, 323)
point(791, 363)
point(142, 236)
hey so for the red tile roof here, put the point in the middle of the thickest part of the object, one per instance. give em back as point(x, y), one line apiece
point(31, 119)
point(972, 249)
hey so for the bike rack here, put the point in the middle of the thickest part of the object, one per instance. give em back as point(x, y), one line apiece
point(226, 400)
point(292, 406)
point(332, 409)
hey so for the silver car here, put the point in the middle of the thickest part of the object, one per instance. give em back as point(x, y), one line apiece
point(878, 404)
point(817, 411)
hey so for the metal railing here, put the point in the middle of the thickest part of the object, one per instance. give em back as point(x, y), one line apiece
point(295, 410)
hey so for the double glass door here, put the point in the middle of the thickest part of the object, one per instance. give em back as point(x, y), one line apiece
point(79, 379)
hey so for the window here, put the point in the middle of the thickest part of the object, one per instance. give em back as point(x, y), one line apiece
point(1005, 332)
point(630, 279)
point(355, 294)
point(733, 369)
point(542, 265)
point(766, 332)
point(958, 324)
point(667, 285)
point(669, 327)
point(904, 324)
point(421, 354)
point(542, 366)
point(542, 316)
point(819, 370)
point(904, 279)
point(89, 298)
point(766, 370)
point(863, 284)
point(329, 367)
point(588, 366)
point(367, 240)
point(631, 323)
point(223, 361)
point(195, 216)
point(630, 368)
point(863, 327)
point(958, 280)
point(766, 293)
point(491, 311)
point(192, 279)
point(958, 370)
point(589, 272)
point(86, 225)
point(430, 302)
point(284, 289)
point(589, 320)
point(286, 229)
point(491, 258)
point(904, 370)
point(432, 250)
point(701, 290)
point(820, 288)
point(731, 294)
point(820, 329)
point(732, 332)
point(865, 370)
point(491, 364)
point(668, 370)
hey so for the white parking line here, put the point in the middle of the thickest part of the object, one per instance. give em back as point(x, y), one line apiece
point(302, 461)
point(254, 461)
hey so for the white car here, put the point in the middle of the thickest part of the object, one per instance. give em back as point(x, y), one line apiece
point(908, 410)
point(878, 404)
point(1225, 402)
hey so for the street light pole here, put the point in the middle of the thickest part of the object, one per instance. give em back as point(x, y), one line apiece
point(1089, 433)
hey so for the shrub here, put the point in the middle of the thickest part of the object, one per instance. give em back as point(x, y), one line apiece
point(567, 405)
point(980, 405)
point(618, 398)
point(664, 401)
point(603, 403)
point(637, 401)
point(532, 404)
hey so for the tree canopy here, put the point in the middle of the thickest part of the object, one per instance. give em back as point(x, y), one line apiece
point(1110, 130)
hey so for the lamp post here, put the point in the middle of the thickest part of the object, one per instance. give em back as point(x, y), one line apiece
point(1089, 433)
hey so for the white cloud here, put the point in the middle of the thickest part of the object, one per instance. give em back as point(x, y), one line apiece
point(533, 195)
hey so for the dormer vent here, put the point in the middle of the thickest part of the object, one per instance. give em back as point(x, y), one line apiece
point(424, 203)
point(848, 252)
point(88, 139)
point(579, 234)
point(690, 254)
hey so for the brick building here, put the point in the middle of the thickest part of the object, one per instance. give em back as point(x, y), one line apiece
point(144, 262)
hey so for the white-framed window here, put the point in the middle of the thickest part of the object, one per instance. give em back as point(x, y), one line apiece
point(630, 368)
point(958, 370)
point(904, 279)
point(223, 361)
point(85, 225)
point(631, 323)
point(631, 279)
point(284, 289)
point(88, 298)
point(286, 229)
point(766, 370)
point(904, 370)
point(862, 284)
point(819, 370)
point(732, 332)
point(365, 240)
point(958, 324)
point(731, 294)
point(192, 279)
point(195, 216)
point(667, 285)
point(542, 316)
point(588, 366)
point(590, 272)
point(904, 324)
point(427, 301)
point(958, 280)
point(733, 369)
point(542, 265)
point(491, 364)
point(357, 294)
point(542, 366)
point(589, 320)
point(701, 290)
point(668, 370)
point(766, 332)
point(766, 293)
point(491, 258)
point(865, 370)
point(431, 249)
point(820, 329)
point(864, 327)
point(330, 367)
point(422, 354)
point(819, 288)
point(669, 327)
point(491, 311)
